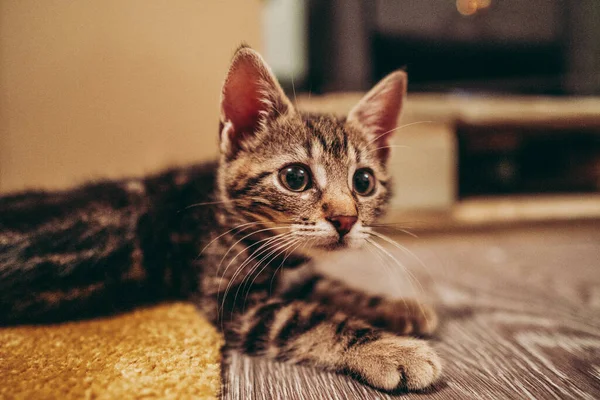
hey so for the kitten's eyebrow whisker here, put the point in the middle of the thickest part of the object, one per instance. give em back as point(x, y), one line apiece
point(398, 128)
point(393, 146)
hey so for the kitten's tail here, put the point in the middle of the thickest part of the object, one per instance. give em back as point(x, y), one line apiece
point(79, 253)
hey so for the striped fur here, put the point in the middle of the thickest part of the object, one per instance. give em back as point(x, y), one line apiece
point(308, 333)
point(403, 316)
point(220, 235)
point(100, 248)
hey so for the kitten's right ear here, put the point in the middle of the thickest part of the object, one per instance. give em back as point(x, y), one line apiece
point(377, 112)
point(250, 96)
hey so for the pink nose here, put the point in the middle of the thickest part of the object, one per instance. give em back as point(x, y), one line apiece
point(342, 223)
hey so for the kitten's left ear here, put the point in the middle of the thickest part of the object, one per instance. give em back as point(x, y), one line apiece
point(250, 97)
point(378, 111)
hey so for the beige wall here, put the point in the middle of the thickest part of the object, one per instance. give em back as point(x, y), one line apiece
point(105, 88)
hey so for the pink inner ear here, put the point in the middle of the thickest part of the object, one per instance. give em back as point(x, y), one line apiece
point(386, 118)
point(242, 101)
point(389, 108)
point(379, 110)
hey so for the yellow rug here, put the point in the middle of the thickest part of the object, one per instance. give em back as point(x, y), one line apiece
point(164, 352)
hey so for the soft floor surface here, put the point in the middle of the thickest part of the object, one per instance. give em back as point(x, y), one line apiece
point(168, 351)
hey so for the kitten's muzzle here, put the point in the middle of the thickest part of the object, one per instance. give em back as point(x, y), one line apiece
point(342, 223)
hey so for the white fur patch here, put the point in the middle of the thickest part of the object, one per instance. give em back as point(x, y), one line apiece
point(351, 172)
point(320, 175)
point(316, 151)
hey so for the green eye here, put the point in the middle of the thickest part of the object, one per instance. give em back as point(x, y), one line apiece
point(295, 178)
point(364, 182)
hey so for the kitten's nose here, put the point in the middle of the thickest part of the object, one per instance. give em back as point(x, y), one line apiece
point(342, 223)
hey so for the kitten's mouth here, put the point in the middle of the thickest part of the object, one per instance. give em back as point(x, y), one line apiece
point(321, 240)
point(340, 244)
point(336, 246)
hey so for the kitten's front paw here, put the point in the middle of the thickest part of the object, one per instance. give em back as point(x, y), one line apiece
point(395, 362)
point(416, 319)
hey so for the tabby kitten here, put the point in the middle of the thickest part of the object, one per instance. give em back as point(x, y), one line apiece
point(289, 188)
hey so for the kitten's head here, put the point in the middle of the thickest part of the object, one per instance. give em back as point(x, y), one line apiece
point(316, 178)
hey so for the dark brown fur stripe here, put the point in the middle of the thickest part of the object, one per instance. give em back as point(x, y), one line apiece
point(251, 183)
point(255, 339)
point(374, 301)
point(115, 237)
point(361, 336)
point(341, 326)
point(299, 326)
point(26, 211)
point(284, 334)
point(330, 134)
point(304, 290)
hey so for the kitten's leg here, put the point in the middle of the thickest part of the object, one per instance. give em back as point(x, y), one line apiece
point(308, 333)
point(402, 316)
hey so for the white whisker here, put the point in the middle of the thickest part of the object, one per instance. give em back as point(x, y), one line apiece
point(390, 226)
point(240, 252)
point(208, 203)
point(393, 146)
point(247, 225)
point(389, 271)
point(250, 234)
point(404, 249)
point(409, 274)
point(261, 249)
point(279, 250)
point(398, 128)
point(272, 248)
point(300, 242)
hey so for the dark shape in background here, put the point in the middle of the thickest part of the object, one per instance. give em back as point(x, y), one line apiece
point(549, 47)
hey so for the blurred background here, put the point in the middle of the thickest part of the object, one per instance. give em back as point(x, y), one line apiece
point(502, 118)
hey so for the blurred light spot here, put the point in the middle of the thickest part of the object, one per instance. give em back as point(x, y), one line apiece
point(470, 7)
point(466, 7)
